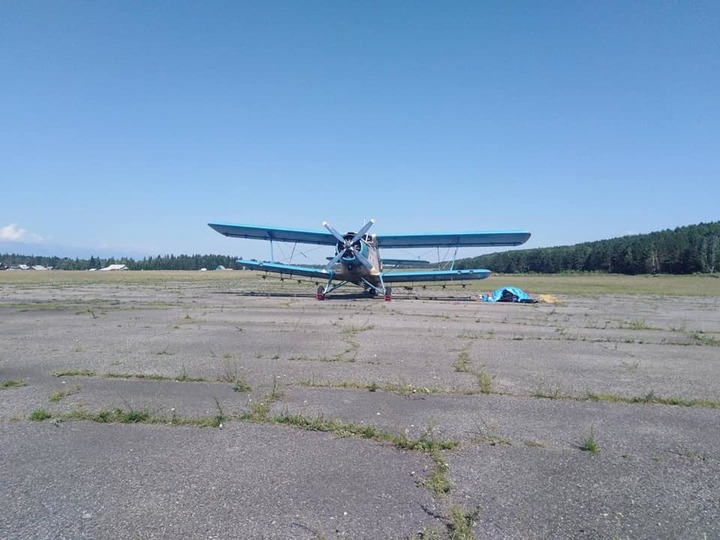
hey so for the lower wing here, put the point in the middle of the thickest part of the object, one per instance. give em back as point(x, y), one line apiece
point(440, 275)
point(285, 269)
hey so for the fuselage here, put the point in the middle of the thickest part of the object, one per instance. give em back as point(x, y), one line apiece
point(350, 268)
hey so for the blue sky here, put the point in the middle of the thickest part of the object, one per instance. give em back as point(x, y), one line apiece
point(128, 126)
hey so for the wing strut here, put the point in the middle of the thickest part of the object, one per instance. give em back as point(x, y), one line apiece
point(452, 265)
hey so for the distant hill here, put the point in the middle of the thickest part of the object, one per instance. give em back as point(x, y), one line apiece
point(684, 250)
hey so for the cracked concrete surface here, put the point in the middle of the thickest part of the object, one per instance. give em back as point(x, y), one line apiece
point(134, 343)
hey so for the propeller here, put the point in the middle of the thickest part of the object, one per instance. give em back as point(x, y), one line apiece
point(348, 245)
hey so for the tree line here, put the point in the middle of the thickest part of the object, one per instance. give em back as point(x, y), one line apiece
point(161, 262)
point(683, 250)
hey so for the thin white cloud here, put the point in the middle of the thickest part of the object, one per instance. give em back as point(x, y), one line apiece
point(13, 233)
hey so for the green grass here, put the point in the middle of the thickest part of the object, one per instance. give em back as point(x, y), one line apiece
point(107, 416)
point(151, 377)
point(638, 324)
point(572, 284)
point(232, 375)
point(62, 393)
point(485, 381)
point(460, 523)
point(438, 481)
point(239, 382)
point(703, 338)
point(11, 383)
point(590, 284)
point(38, 415)
point(102, 416)
point(589, 444)
point(462, 365)
point(403, 389)
point(651, 398)
point(260, 410)
point(424, 443)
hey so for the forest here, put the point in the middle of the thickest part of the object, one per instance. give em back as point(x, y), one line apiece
point(683, 250)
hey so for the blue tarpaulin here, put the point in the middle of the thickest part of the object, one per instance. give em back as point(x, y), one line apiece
point(508, 294)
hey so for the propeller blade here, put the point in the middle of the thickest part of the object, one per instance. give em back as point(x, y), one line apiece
point(363, 259)
point(348, 245)
point(334, 232)
point(362, 231)
point(334, 261)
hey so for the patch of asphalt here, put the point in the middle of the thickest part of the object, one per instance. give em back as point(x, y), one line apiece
point(626, 346)
point(642, 432)
point(86, 480)
point(523, 493)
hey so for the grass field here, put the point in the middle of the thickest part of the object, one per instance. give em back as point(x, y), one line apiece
point(535, 284)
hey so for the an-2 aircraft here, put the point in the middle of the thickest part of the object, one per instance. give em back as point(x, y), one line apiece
point(357, 254)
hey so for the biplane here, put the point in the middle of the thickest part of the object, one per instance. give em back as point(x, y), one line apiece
point(357, 258)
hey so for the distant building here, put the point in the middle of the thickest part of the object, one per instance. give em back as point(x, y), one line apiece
point(114, 267)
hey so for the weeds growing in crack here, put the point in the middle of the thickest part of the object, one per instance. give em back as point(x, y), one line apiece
point(275, 392)
point(401, 388)
point(260, 410)
point(11, 383)
point(462, 365)
point(458, 521)
point(438, 481)
point(74, 373)
point(38, 415)
point(231, 374)
point(701, 338)
point(59, 395)
point(220, 416)
point(543, 390)
point(487, 434)
point(651, 398)
point(590, 444)
point(425, 443)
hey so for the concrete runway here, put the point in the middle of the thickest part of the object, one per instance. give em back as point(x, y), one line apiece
point(185, 409)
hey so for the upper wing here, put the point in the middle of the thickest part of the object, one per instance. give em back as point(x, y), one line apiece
point(463, 239)
point(440, 275)
point(285, 269)
point(275, 233)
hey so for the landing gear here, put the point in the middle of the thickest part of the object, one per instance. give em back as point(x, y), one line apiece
point(372, 293)
point(321, 292)
point(388, 294)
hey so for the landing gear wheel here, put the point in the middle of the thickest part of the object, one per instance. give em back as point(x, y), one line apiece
point(321, 292)
point(372, 293)
point(388, 294)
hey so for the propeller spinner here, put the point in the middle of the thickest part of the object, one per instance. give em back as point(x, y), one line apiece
point(347, 249)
